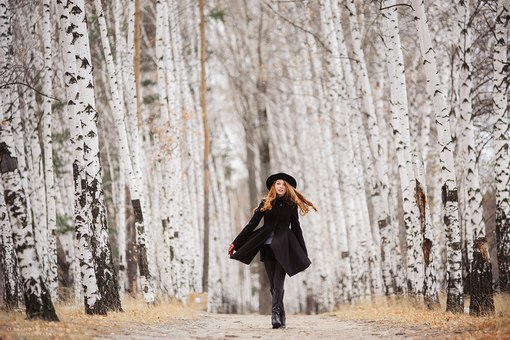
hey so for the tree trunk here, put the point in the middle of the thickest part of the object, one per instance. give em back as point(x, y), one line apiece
point(10, 110)
point(339, 201)
point(400, 126)
point(264, 152)
point(118, 112)
point(500, 107)
point(380, 196)
point(361, 150)
point(429, 247)
point(136, 58)
point(455, 299)
point(203, 102)
point(38, 303)
point(106, 275)
point(8, 258)
point(93, 299)
point(48, 155)
point(482, 292)
point(139, 204)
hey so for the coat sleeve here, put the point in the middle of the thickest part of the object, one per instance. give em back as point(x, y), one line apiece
point(248, 229)
point(296, 228)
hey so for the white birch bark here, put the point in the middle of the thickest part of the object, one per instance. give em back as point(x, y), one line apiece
point(92, 297)
point(455, 301)
point(38, 303)
point(63, 174)
point(501, 138)
point(359, 142)
point(171, 117)
point(400, 126)
point(121, 228)
point(164, 137)
point(120, 47)
point(471, 204)
point(105, 273)
point(191, 121)
point(338, 200)
point(134, 184)
point(380, 99)
point(429, 247)
point(8, 259)
point(218, 280)
point(29, 130)
point(69, 249)
point(49, 179)
point(333, 220)
point(8, 106)
point(141, 219)
point(384, 219)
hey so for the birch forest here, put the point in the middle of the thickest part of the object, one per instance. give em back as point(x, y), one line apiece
point(136, 138)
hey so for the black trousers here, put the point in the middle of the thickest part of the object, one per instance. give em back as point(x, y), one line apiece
point(275, 272)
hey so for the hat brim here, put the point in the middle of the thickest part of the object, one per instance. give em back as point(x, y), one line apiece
point(287, 178)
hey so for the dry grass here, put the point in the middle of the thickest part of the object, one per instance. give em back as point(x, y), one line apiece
point(75, 324)
point(382, 312)
point(412, 314)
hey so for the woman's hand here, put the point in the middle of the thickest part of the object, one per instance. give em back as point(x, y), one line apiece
point(231, 250)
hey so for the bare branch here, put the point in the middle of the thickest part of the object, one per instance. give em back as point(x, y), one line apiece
point(383, 8)
point(30, 87)
point(296, 25)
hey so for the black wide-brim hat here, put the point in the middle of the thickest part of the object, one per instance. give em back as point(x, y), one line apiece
point(287, 178)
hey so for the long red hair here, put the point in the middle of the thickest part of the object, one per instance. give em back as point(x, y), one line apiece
point(292, 195)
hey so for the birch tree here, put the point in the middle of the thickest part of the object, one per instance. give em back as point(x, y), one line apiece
point(385, 220)
point(8, 259)
point(121, 214)
point(205, 273)
point(360, 150)
point(8, 250)
point(473, 214)
point(49, 180)
point(141, 225)
point(105, 273)
point(167, 139)
point(400, 125)
point(429, 246)
point(501, 138)
point(262, 139)
point(29, 136)
point(38, 303)
point(92, 296)
point(455, 301)
point(339, 201)
point(118, 112)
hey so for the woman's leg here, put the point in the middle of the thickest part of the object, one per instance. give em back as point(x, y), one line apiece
point(278, 276)
point(270, 268)
point(279, 282)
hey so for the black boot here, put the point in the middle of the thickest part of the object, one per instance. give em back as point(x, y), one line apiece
point(282, 312)
point(276, 309)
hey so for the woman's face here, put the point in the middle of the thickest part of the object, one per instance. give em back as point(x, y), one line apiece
point(280, 188)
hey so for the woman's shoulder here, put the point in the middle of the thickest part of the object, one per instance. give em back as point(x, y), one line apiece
point(261, 204)
point(291, 203)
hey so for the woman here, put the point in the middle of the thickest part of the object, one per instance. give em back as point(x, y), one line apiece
point(282, 250)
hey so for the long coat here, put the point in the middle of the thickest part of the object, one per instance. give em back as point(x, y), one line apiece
point(288, 244)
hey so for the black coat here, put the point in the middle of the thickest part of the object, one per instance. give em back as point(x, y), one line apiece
point(288, 244)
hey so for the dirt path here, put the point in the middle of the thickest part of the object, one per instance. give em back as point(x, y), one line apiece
point(225, 326)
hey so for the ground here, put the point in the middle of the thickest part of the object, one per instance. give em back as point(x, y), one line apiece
point(233, 326)
point(384, 318)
